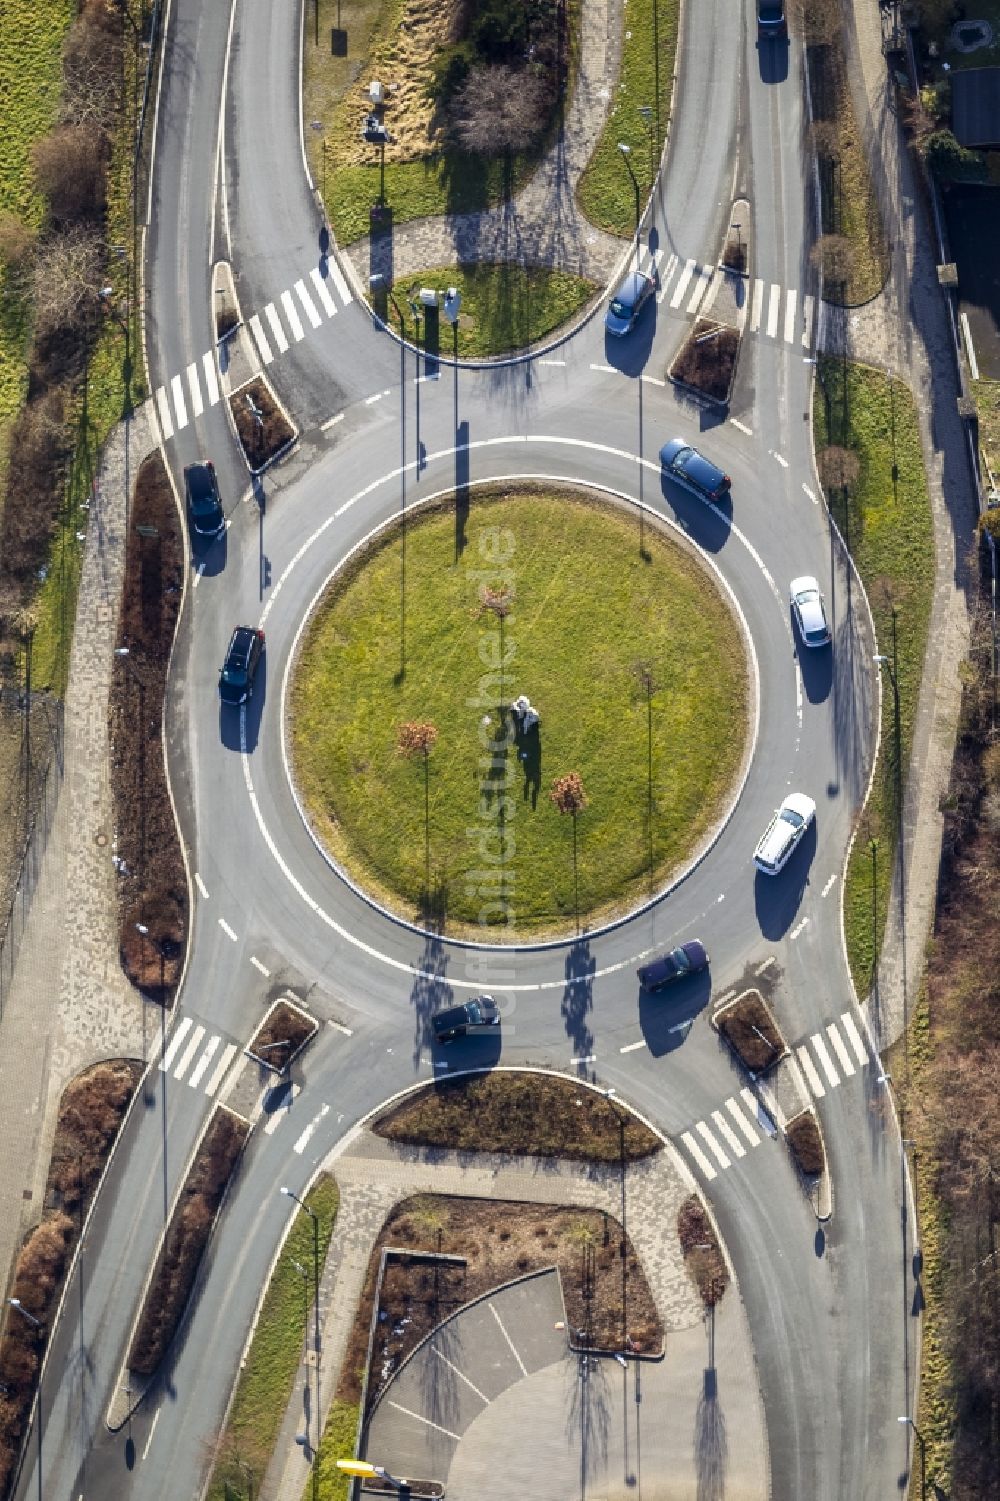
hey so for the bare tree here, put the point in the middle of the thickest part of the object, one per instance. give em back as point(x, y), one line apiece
point(825, 139)
point(66, 281)
point(92, 72)
point(418, 738)
point(500, 109)
point(834, 256)
point(838, 467)
point(69, 164)
point(569, 797)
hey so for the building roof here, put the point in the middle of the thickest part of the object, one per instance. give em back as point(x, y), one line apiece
point(975, 106)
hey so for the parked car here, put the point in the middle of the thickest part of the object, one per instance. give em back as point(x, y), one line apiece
point(686, 959)
point(771, 22)
point(690, 468)
point(468, 1019)
point(627, 303)
point(240, 667)
point(204, 506)
point(810, 615)
point(784, 833)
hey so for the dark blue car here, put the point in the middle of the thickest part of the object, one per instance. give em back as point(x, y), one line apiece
point(686, 959)
point(689, 467)
point(627, 303)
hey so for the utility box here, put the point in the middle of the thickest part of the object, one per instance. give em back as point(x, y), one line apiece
point(376, 92)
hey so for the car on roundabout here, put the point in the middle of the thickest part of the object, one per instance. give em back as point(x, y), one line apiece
point(692, 470)
point(809, 611)
point(627, 303)
point(784, 833)
point(686, 959)
point(468, 1019)
point(239, 670)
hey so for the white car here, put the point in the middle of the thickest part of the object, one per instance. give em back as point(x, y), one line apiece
point(810, 616)
point(784, 833)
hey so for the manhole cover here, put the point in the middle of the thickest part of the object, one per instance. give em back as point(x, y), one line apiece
point(969, 36)
point(100, 840)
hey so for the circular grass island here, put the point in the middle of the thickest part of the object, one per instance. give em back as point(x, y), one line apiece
point(457, 813)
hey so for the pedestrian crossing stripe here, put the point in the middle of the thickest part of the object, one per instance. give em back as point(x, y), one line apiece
point(194, 387)
point(329, 306)
point(277, 327)
point(292, 315)
point(257, 329)
point(211, 379)
point(307, 303)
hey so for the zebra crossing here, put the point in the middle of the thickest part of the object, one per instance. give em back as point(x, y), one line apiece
point(184, 397)
point(712, 1144)
point(692, 288)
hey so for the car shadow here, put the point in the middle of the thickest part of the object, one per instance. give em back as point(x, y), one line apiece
point(482, 1050)
point(666, 1016)
point(816, 667)
point(630, 354)
point(778, 898)
point(239, 725)
point(772, 59)
point(208, 554)
point(707, 522)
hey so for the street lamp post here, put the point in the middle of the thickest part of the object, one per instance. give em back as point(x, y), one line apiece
point(923, 1455)
point(626, 152)
point(26, 1313)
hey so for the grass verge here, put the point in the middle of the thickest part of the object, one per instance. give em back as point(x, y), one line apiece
point(338, 1441)
point(268, 1374)
point(605, 190)
point(517, 1113)
point(885, 519)
point(646, 700)
point(505, 307)
point(987, 398)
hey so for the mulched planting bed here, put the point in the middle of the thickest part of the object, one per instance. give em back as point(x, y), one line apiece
point(702, 1254)
point(284, 1033)
point(152, 887)
point(90, 1114)
point(516, 1113)
point(186, 1238)
point(707, 360)
point(499, 1241)
point(806, 1144)
point(751, 1031)
point(260, 441)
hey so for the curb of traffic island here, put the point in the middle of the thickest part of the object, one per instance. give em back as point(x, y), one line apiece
point(307, 1026)
point(804, 1136)
point(735, 257)
point(240, 369)
point(751, 1010)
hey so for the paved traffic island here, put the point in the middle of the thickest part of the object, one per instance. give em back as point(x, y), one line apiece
point(462, 675)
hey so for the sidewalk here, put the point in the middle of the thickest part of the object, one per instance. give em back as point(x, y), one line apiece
point(542, 226)
point(69, 1003)
point(907, 330)
point(374, 1174)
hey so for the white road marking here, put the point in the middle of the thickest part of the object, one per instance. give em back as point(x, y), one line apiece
point(798, 700)
point(310, 307)
point(773, 306)
point(970, 351)
point(820, 1049)
point(809, 1069)
point(590, 1058)
point(370, 400)
point(733, 1106)
point(808, 313)
point(227, 929)
point(202, 888)
point(713, 290)
point(560, 364)
point(257, 965)
point(211, 379)
point(199, 570)
point(683, 283)
point(331, 421)
point(713, 1146)
point(698, 1155)
point(806, 491)
point(220, 1069)
point(339, 1027)
point(840, 1050)
point(183, 1028)
point(513, 1348)
point(163, 409)
point(277, 1116)
point(790, 301)
point(292, 314)
point(197, 406)
point(605, 369)
point(303, 1140)
point(653, 380)
point(177, 391)
point(854, 1038)
point(700, 288)
point(757, 1110)
point(418, 1417)
point(257, 329)
point(799, 926)
point(782, 461)
point(766, 965)
point(827, 888)
point(460, 1374)
point(189, 1052)
point(758, 302)
point(742, 426)
point(149, 1440)
point(201, 1067)
point(735, 1145)
point(277, 327)
point(631, 1047)
point(329, 306)
point(336, 276)
point(666, 278)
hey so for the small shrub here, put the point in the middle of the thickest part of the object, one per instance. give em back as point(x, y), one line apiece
point(951, 161)
point(806, 1144)
point(16, 242)
point(69, 164)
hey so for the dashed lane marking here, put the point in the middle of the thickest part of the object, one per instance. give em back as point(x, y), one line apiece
point(201, 1067)
point(329, 306)
point(277, 1116)
point(149, 1439)
point(653, 380)
point(765, 966)
point(781, 460)
point(257, 965)
point(202, 888)
point(742, 426)
point(854, 1038)
point(370, 400)
point(840, 1050)
point(605, 369)
point(339, 1027)
point(559, 363)
point(277, 327)
point(631, 1047)
point(799, 926)
point(189, 1052)
point(806, 491)
point(829, 885)
point(227, 929)
point(292, 316)
point(303, 1140)
point(820, 1049)
point(698, 1155)
point(331, 421)
point(809, 1069)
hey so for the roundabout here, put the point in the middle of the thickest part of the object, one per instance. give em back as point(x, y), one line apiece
point(634, 660)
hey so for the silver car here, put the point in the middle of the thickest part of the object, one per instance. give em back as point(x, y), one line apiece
point(810, 616)
point(784, 833)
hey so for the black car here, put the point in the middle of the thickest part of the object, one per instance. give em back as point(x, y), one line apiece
point(691, 469)
point(240, 666)
point(687, 959)
point(204, 506)
point(480, 1015)
point(771, 19)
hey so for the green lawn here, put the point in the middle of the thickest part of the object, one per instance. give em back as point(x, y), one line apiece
point(987, 397)
point(337, 1443)
point(588, 613)
point(891, 535)
point(605, 192)
point(504, 307)
point(266, 1380)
